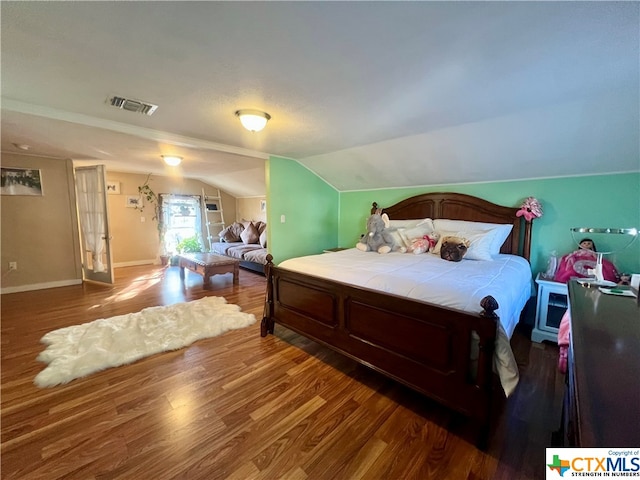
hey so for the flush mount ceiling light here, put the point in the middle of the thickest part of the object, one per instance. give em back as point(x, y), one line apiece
point(21, 146)
point(253, 120)
point(172, 160)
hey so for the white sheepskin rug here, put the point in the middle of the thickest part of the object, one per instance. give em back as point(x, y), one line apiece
point(77, 351)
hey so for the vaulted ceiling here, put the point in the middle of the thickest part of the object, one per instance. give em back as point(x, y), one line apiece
point(365, 94)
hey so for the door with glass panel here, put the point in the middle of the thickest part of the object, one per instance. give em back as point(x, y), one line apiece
point(93, 218)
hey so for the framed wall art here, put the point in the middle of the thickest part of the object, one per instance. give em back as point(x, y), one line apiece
point(113, 188)
point(20, 181)
point(134, 201)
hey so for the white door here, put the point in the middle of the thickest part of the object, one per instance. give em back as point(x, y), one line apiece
point(95, 241)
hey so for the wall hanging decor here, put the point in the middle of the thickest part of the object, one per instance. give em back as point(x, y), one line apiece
point(134, 201)
point(113, 188)
point(20, 181)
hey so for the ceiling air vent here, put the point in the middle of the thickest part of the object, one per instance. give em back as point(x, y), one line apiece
point(133, 105)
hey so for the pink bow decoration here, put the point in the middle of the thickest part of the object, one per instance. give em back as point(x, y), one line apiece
point(530, 209)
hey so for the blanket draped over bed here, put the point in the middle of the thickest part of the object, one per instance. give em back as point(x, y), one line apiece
point(417, 318)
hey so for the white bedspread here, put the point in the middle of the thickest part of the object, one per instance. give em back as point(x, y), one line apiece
point(427, 277)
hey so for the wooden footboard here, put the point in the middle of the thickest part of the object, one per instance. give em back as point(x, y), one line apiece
point(421, 345)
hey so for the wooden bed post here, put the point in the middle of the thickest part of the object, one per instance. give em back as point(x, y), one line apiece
point(526, 248)
point(489, 306)
point(484, 378)
point(267, 324)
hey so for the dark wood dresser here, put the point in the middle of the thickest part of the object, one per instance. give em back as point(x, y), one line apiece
point(602, 402)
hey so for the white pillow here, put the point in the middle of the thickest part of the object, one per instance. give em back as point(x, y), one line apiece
point(409, 235)
point(501, 230)
point(427, 222)
point(397, 238)
point(480, 243)
point(409, 223)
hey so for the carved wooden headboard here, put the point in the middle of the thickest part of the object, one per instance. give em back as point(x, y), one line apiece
point(458, 206)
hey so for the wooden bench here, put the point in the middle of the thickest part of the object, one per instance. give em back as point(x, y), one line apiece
point(208, 264)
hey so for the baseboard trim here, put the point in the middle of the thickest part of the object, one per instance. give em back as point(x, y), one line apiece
point(66, 283)
point(136, 263)
point(40, 286)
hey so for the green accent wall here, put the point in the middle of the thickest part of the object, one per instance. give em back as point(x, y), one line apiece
point(319, 217)
point(591, 201)
point(310, 207)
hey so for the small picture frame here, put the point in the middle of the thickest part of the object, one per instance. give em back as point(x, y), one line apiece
point(263, 205)
point(20, 181)
point(113, 188)
point(134, 201)
point(212, 206)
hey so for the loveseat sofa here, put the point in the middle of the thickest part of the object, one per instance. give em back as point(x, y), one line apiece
point(246, 241)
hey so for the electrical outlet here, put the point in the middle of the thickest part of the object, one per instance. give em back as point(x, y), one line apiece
point(13, 266)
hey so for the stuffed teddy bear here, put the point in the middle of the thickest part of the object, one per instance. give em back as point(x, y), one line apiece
point(424, 244)
point(377, 239)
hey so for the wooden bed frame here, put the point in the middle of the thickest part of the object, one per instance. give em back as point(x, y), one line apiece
point(421, 345)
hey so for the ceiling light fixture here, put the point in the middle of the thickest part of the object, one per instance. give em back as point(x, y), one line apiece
point(253, 120)
point(172, 160)
point(21, 146)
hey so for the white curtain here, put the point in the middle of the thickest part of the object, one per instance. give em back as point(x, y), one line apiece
point(91, 210)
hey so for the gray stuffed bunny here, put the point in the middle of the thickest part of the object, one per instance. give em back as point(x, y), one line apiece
point(377, 239)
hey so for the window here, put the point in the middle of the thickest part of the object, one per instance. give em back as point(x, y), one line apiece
point(181, 219)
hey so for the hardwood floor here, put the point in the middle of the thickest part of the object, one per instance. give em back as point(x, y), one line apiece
point(243, 407)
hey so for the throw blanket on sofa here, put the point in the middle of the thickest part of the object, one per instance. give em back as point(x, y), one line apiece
point(246, 252)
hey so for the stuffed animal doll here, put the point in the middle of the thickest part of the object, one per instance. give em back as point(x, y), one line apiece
point(453, 248)
point(377, 239)
point(424, 244)
point(530, 209)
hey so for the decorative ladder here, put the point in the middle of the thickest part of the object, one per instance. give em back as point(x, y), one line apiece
point(213, 214)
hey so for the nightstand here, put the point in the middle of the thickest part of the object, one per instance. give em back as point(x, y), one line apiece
point(551, 305)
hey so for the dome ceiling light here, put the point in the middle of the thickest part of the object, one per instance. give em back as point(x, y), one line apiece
point(253, 120)
point(172, 160)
